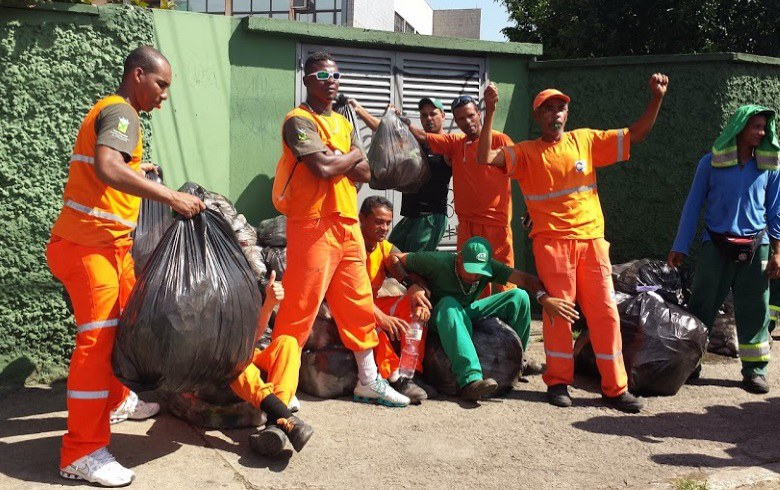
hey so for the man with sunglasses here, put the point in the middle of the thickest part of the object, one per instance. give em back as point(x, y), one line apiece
point(326, 255)
point(483, 200)
point(425, 211)
point(557, 174)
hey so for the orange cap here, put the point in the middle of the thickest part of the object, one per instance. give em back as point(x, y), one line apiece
point(549, 93)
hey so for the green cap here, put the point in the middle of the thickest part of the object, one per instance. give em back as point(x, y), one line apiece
point(476, 254)
point(434, 102)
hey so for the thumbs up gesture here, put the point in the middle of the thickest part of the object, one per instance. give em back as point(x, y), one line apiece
point(274, 291)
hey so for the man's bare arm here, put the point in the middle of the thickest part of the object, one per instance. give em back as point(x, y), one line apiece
point(363, 114)
point(486, 155)
point(641, 128)
point(326, 165)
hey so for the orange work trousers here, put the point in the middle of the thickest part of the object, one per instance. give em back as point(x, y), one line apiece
point(98, 281)
point(580, 270)
point(326, 259)
point(500, 238)
point(281, 360)
point(387, 359)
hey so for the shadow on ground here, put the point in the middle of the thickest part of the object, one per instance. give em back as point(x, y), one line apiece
point(751, 428)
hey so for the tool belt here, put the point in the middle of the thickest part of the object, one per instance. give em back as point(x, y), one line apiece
point(736, 248)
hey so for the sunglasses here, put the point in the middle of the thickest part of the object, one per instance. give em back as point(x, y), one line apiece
point(461, 101)
point(323, 75)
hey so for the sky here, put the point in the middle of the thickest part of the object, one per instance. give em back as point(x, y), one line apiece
point(494, 15)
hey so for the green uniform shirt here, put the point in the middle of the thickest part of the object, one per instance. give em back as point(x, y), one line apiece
point(438, 268)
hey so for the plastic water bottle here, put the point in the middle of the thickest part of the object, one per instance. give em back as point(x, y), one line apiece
point(410, 353)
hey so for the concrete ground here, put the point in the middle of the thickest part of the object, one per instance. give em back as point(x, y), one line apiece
point(712, 432)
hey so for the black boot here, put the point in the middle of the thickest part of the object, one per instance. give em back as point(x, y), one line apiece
point(625, 402)
point(558, 395)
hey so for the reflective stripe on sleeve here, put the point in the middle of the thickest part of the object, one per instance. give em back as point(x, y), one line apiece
point(82, 158)
point(113, 322)
point(609, 357)
point(620, 145)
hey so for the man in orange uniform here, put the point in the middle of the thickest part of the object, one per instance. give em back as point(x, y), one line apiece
point(483, 197)
point(326, 256)
point(392, 313)
point(557, 174)
point(89, 252)
point(282, 361)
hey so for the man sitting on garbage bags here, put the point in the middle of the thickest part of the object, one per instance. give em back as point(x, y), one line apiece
point(456, 280)
point(393, 313)
point(739, 184)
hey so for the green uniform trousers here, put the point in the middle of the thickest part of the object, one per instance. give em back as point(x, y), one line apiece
point(749, 284)
point(452, 320)
point(420, 234)
point(774, 303)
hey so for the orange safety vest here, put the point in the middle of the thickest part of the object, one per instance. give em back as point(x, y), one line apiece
point(375, 263)
point(297, 192)
point(94, 214)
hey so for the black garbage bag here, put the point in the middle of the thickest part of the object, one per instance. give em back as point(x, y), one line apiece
point(153, 219)
point(190, 321)
point(328, 373)
point(275, 259)
point(220, 204)
point(723, 335)
point(500, 355)
point(342, 107)
point(324, 334)
point(273, 232)
point(221, 412)
point(645, 275)
point(245, 233)
point(662, 345)
point(395, 157)
point(254, 255)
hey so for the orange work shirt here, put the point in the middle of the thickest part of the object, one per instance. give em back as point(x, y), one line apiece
point(95, 214)
point(482, 192)
point(375, 263)
point(297, 192)
point(558, 180)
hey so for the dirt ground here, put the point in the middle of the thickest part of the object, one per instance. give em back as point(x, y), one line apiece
point(709, 429)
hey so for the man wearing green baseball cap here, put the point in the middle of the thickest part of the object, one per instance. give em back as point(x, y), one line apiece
point(455, 281)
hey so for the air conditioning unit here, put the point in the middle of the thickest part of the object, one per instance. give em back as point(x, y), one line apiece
point(301, 4)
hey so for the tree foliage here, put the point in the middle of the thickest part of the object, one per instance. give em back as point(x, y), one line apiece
point(591, 28)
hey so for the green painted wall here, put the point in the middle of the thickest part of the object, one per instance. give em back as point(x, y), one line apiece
point(55, 65)
point(642, 199)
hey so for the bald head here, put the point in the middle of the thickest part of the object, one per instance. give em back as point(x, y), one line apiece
point(146, 58)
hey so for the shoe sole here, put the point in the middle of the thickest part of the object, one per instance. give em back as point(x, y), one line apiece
point(480, 394)
point(378, 401)
point(75, 477)
point(560, 404)
point(301, 441)
point(266, 445)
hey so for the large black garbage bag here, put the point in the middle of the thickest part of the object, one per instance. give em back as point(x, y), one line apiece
point(395, 157)
point(328, 373)
point(342, 107)
point(273, 232)
point(245, 233)
point(191, 318)
point(153, 219)
point(220, 204)
point(662, 345)
point(500, 355)
point(223, 413)
point(324, 334)
point(645, 275)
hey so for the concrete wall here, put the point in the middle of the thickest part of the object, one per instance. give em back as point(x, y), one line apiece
point(369, 14)
point(233, 82)
point(417, 13)
point(463, 23)
point(642, 198)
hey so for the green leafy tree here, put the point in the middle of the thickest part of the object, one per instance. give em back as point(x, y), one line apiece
point(591, 28)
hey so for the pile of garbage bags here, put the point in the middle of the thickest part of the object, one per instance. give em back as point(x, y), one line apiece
point(500, 355)
point(190, 321)
point(395, 157)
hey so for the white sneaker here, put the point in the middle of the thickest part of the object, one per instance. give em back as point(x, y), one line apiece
point(295, 404)
point(134, 408)
point(380, 392)
point(101, 468)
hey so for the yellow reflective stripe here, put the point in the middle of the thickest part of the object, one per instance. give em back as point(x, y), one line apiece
point(754, 352)
point(619, 145)
point(725, 158)
point(87, 395)
point(113, 322)
point(82, 158)
point(98, 213)
point(512, 159)
point(563, 355)
point(564, 192)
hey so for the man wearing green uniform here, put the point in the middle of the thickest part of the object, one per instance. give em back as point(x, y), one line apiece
point(738, 184)
point(455, 281)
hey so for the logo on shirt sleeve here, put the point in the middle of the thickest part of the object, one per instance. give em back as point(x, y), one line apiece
point(123, 125)
point(580, 165)
point(302, 136)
